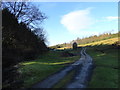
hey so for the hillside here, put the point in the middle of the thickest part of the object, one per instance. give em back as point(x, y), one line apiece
point(102, 42)
point(106, 38)
point(104, 54)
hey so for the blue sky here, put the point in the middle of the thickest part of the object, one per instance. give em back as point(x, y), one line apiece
point(69, 20)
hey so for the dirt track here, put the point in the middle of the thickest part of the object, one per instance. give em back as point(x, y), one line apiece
point(81, 78)
point(83, 73)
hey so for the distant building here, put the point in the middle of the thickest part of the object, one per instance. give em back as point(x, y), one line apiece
point(74, 45)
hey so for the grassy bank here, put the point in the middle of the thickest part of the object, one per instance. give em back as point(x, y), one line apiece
point(37, 70)
point(105, 74)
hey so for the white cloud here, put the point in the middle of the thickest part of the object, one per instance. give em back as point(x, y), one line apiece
point(77, 21)
point(111, 18)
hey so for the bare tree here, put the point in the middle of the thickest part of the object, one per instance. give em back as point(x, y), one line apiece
point(25, 12)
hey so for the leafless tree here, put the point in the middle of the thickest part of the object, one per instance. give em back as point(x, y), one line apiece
point(25, 12)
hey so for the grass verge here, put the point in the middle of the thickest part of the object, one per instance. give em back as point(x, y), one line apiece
point(105, 74)
point(37, 70)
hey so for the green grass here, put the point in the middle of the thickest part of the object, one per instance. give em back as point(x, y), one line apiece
point(37, 70)
point(105, 74)
point(104, 77)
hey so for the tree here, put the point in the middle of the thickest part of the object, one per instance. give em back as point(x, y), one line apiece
point(19, 43)
point(25, 12)
point(9, 50)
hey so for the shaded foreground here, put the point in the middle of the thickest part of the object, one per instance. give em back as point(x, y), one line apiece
point(80, 79)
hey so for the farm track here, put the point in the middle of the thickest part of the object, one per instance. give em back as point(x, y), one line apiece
point(83, 68)
point(84, 73)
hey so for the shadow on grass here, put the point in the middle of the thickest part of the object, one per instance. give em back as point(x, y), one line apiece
point(43, 66)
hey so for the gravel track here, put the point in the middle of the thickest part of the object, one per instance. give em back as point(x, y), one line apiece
point(80, 80)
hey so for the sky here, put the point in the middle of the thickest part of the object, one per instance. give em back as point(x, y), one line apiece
point(69, 20)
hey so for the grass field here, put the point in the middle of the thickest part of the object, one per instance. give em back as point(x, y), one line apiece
point(37, 70)
point(105, 74)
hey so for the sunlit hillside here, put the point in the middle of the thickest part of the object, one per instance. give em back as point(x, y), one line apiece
point(102, 42)
point(106, 38)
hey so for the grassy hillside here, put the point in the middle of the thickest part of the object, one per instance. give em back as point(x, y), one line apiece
point(95, 38)
point(88, 40)
point(102, 42)
point(105, 57)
